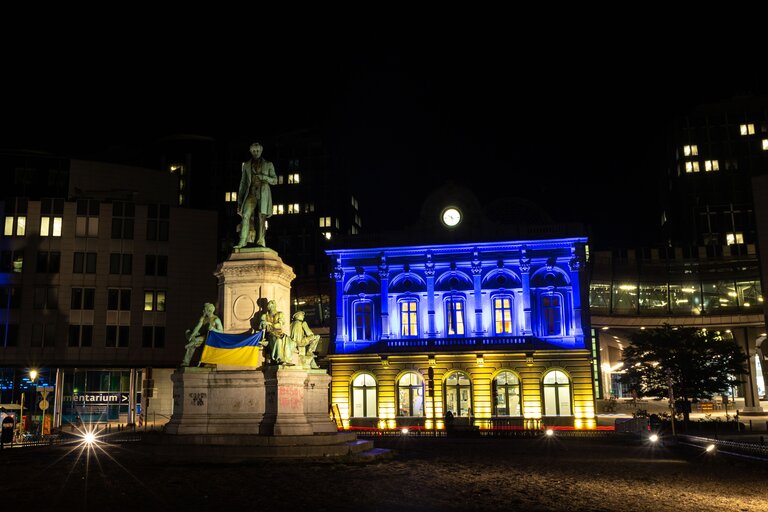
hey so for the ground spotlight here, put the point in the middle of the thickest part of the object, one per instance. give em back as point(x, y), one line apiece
point(404, 431)
point(710, 448)
point(653, 438)
point(89, 438)
point(549, 432)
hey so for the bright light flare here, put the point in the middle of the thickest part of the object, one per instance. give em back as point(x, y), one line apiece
point(89, 438)
point(549, 432)
point(710, 448)
point(653, 438)
point(404, 431)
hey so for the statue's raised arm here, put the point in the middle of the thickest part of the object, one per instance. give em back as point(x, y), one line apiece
point(194, 339)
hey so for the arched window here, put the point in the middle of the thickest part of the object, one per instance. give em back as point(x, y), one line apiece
point(551, 314)
point(363, 318)
point(557, 394)
point(410, 395)
point(506, 387)
point(502, 314)
point(454, 315)
point(409, 318)
point(364, 396)
point(458, 394)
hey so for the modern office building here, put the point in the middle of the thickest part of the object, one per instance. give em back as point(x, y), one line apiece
point(101, 274)
point(488, 322)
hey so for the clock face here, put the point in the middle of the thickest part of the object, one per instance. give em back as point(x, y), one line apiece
point(451, 216)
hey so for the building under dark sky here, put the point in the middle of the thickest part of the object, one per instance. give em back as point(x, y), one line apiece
point(579, 132)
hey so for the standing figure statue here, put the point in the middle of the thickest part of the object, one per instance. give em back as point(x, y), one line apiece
point(281, 345)
point(305, 340)
point(194, 339)
point(254, 197)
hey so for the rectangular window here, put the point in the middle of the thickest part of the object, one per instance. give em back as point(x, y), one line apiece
point(8, 231)
point(10, 298)
point(294, 208)
point(43, 335)
point(21, 225)
point(354, 203)
point(154, 300)
point(84, 263)
point(120, 264)
point(117, 336)
point(409, 319)
point(46, 297)
point(83, 298)
point(691, 166)
point(123, 214)
point(454, 313)
point(551, 315)
point(156, 265)
point(747, 129)
point(280, 179)
point(119, 299)
point(325, 222)
point(80, 336)
point(50, 226)
point(278, 209)
point(157, 222)
point(293, 178)
point(363, 318)
point(502, 315)
point(230, 197)
point(48, 262)
point(734, 238)
point(765, 144)
point(309, 207)
point(711, 165)
point(153, 337)
point(691, 150)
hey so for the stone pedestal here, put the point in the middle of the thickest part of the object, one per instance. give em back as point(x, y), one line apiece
point(247, 280)
point(207, 401)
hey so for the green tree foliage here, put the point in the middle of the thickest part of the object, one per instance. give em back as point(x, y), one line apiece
point(697, 363)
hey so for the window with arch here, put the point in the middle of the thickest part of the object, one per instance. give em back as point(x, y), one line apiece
point(364, 396)
point(557, 394)
point(409, 318)
point(363, 318)
point(410, 395)
point(551, 314)
point(506, 388)
point(458, 394)
point(454, 315)
point(502, 314)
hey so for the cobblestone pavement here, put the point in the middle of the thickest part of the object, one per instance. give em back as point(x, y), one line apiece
point(568, 474)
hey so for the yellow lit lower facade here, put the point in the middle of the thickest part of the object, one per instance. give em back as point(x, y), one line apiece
point(500, 390)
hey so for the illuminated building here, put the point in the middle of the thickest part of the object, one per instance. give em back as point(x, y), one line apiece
point(487, 323)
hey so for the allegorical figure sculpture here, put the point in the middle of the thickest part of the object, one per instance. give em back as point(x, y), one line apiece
point(281, 346)
point(194, 339)
point(254, 197)
point(304, 340)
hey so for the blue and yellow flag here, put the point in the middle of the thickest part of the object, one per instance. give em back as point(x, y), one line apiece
point(234, 349)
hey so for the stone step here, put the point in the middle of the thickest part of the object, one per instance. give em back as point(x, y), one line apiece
point(359, 445)
point(376, 454)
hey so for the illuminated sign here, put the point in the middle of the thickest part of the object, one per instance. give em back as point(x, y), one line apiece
point(99, 398)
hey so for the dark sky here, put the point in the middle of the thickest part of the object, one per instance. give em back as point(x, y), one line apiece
point(576, 124)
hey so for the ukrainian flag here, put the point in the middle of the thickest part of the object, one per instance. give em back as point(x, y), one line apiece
point(234, 349)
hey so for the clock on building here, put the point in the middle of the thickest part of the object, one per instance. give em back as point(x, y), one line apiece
point(451, 216)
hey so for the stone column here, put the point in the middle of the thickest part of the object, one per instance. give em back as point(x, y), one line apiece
point(384, 285)
point(247, 280)
point(429, 272)
point(575, 267)
point(338, 276)
point(477, 270)
point(525, 269)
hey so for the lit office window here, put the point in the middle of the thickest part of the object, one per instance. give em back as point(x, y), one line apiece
point(230, 197)
point(734, 238)
point(502, 315)
point(325, 222)
point(711, 165)
point(691, 166)
point(294, 208)
point(8, 231)
point(364, 396)
point(50, 226)
point(765, 144)
point(691, 150)
point(454, 316)
point(278, 209)
point(293, 178)
point(747, 129)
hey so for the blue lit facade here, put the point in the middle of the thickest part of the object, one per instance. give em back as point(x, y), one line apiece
point(423, 319)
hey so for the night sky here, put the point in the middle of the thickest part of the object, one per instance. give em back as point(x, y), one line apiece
point(571, 126)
